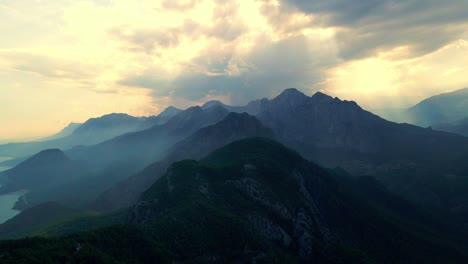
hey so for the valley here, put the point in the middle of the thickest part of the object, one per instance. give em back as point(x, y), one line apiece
point(249, 131)
point(283, 172)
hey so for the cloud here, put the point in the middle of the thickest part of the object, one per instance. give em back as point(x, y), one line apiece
point(226, 25)
point(145, 81)
point(184, 52)
point(179, 5)
point(149, 39)
point(47, 66)
point(371, 26)
point(382, 81)
point(264, 71)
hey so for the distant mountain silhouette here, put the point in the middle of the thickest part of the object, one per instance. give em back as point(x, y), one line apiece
point(234, 127)
point(68, 130)
point(458, 126)
point(167, 114)
point(43, 170)
point(116, 159)
point(93, 131)
point(217, 103)
point(410, 160)
point(221, 183)
point(151, 144)
point(442, 108)
point(334, 133)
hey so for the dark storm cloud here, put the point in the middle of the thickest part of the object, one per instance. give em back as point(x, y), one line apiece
point(268, 69)
point(362, 29)
point(372, 25)
point(147, 40)
point(147, 80)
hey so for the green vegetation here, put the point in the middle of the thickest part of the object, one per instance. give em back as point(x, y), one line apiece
point(253, 200)
point(52, 219)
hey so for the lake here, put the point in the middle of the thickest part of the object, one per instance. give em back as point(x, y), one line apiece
point(7, 201)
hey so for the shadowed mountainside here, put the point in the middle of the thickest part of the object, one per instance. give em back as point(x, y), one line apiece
point(233, 127)
point(46, 169)
point(253, 200)
point(442, 108)
point(93, 131)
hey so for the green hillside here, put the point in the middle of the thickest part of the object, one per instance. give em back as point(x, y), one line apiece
point(254, 200)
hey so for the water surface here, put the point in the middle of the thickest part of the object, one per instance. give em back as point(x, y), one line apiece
point(7, 201)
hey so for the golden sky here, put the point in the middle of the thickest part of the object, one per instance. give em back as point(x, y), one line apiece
point(66, 61)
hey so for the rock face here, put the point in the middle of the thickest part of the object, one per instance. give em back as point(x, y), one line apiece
point(328, 131)
point(169, 112)
point(320, 121)
point(334, 133)
point(269, 197)
point(281, 197)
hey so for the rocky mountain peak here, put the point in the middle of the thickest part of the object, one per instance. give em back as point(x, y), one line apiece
point(212, 103)
point(170, 111)
point(321, 97)
point(290, 97)
point(240, 120)
point(50, 154)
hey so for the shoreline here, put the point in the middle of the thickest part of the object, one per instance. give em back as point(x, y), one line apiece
point(9, 201)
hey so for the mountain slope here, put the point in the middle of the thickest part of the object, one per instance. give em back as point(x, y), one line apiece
point(68, 130)
point(233, 127)
point(93, 131)
point(426, 166)
point(251, 201)
point(34, 218)
point(46, 169)
point(284, 198)
point(458, 126)
point(53, 219)
point(146, 146)
point(412, 161)
point(340, 133)
point(441, 108)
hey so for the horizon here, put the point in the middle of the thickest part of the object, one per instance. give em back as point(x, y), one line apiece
point(40, 137)
point(68, 61)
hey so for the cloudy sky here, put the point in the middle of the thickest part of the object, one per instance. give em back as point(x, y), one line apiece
point(64, 61)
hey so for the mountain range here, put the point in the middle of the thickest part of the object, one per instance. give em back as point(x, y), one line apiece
point(93, 131)
point(255, 200)
point(283, 173)
point(442, 108)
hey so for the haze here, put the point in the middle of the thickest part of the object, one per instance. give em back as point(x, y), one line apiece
point(64, 61)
